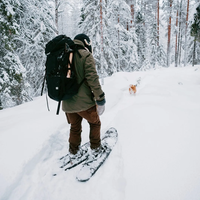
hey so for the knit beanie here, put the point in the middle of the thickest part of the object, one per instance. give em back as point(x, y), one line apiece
point(85, 39)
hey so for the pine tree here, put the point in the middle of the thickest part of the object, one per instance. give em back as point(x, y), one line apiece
point(12, 72)
point(123, 40)
point(186, 32)
point(169, 34)
point(155, 54)
point(90, 25)
point(141, 39)
point(190, 45)
point(37, 27)
point(195, 32)
point(25, 28)
point(181, 30)
point(119, 49)
point(68, 17)
point(174, 15)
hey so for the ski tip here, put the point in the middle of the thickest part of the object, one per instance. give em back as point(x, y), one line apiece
point(82, 180)
point(112, 132)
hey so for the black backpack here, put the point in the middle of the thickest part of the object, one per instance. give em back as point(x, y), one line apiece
point(60, 73)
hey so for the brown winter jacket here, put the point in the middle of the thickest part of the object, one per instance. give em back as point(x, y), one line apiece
point(90, 90)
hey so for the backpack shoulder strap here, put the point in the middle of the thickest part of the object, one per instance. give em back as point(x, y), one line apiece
point(70, 65)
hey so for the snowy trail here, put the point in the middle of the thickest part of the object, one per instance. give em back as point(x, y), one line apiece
point(37, 180)
point(156, 156)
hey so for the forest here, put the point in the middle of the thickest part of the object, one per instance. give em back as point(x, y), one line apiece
point(127, 35)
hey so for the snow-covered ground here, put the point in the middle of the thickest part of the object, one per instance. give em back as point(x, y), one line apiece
point(157, 156)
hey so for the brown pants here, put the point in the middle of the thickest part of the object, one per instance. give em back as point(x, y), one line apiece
point(75, 119)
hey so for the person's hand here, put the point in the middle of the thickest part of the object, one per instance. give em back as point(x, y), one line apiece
point(100, 107)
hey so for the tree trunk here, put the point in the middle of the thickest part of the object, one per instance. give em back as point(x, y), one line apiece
point(101, 33)
point(158, 19)
point(186, 26)
point(176, 45)
point(169, 35)
point(179, 35)
point(194, 52)
point(118, 67)
point(56, 15)
point(132, 4)
point(132, 15)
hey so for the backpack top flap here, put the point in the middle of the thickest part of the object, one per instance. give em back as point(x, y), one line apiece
point(58, 43)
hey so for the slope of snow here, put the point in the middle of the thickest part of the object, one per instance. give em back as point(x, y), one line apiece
point(156, 157)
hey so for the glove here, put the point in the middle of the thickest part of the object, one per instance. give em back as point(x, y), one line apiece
point(100, 107)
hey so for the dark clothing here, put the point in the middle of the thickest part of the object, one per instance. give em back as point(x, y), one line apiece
point(83, 104)
point(75, 120)
point(90, 90)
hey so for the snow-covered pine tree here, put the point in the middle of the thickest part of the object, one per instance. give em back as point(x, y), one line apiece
point(180, 30)
point(122, 39)
point(189, 44)
point(195, 33)
point(195, 27)
point(131, 47)
point(186, 34)
point(173, 17)
point(90, 25)
point(25, 27)
point(130, 53)
point(12, 73)
point(118, 43)
point(141, 38)
point(155, 54)
point(37, 27)
point(68, 17)
point(177, 33)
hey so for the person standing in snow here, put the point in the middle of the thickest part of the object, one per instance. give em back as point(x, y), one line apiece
point(89, 102)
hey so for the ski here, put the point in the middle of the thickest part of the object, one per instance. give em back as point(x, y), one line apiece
point(69, 162)
point(92, 164)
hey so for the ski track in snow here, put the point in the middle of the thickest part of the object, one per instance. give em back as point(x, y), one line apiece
point(156, 156)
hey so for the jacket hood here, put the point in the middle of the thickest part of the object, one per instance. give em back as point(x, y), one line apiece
point(78, 42)
point(84, 42)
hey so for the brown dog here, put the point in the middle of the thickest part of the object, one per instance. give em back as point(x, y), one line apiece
point(132, 89)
